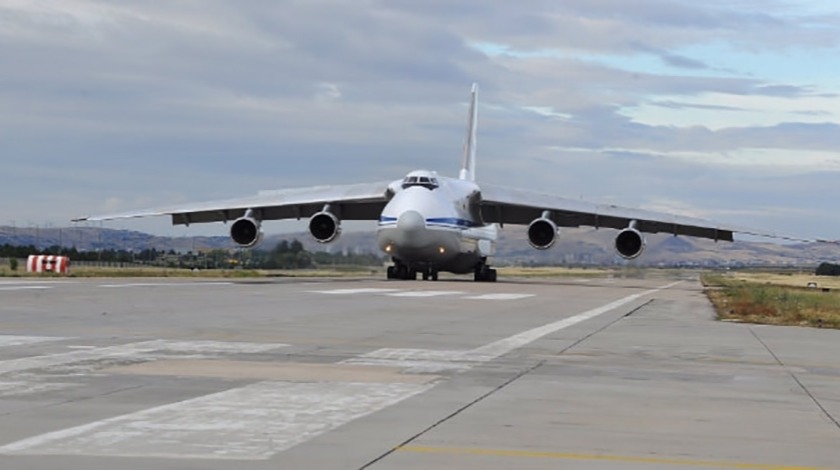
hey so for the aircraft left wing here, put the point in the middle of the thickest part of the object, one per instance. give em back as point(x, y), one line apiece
point(348, 202)
point(521, 207)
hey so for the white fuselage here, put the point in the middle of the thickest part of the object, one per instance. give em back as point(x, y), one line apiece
point(438, 228)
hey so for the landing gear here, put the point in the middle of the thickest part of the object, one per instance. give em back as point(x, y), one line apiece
point(402, 272)
point(484, 273)
point(430, 274)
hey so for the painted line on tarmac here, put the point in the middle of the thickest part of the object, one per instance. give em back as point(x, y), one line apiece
point(19, 281)
point(148, 350)
point(165, 284)
point(354, 291)
point(500, 297)
point(25, 288)
point(596, 458)
point(423, 293)
point(506, 345)
point(253, 422)
point(436, 361)
point(17, 340)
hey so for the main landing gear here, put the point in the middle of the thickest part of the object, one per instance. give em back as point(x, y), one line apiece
point(401, 271)
point(484, 273)
point(405, 273)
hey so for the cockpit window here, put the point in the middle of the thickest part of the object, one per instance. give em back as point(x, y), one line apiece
point(425, 181)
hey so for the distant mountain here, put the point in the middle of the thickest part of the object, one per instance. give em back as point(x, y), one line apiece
point(574, 246)
point(94, 238)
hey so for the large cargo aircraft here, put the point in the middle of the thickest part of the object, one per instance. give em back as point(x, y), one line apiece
point(430, 223)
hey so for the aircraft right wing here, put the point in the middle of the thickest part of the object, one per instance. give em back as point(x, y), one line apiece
point(348, 202)
point(514, 206)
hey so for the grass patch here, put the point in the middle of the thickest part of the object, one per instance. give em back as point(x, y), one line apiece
point(751, 301)
point(152, 271)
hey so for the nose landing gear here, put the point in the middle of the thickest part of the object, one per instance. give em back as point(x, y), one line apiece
point(402, 272)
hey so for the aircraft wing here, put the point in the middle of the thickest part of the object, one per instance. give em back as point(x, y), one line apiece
point(513, 206)
point(348, 202)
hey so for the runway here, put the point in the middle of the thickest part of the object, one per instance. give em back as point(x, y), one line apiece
point(372, 374)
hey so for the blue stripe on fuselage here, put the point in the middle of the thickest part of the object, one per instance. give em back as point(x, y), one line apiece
point(452, 221)
point(435, 221)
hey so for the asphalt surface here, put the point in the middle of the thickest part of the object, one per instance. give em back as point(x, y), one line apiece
point(366, 373)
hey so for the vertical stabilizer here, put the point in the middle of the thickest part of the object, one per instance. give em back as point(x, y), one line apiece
point(468, 168)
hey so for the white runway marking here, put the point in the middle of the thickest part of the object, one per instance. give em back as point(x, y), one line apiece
point(249, 423)
point(33, 281)
point(423, 293)
point(15, 340)
point(432, 361)
point(166, 284)
point(506, 345)
point(148, 350)
point(26, 288)
point(16, 388)
point(354, 291)
point(500, 296)
point(415, 361)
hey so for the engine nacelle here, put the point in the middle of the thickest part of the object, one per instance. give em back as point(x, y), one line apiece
point(324, 227)
point(246, 232)
point(629, 243)
point(542, 233)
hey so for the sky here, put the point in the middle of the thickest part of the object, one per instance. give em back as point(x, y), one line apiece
point(726, 110)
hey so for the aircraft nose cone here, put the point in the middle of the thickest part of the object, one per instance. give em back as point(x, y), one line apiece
point(411, 221)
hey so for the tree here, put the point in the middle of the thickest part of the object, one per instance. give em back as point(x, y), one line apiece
point(828, 269)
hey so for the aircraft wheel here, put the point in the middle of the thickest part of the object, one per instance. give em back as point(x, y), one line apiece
point(426, 275)
point(434, 275)
point(484, 273)
point(391, 272)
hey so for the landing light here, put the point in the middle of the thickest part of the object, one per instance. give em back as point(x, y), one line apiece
point(442, 250)
point(388, 248)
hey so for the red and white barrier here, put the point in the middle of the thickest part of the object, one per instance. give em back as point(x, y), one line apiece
point(47, 264)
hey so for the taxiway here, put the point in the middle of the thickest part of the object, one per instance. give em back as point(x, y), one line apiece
point(364, 373)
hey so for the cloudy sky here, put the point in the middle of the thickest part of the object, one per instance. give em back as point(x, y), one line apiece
point(724, 109)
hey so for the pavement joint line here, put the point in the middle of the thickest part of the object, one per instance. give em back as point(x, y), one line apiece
point(580, 317)
point(796, 379)
point(597, 457)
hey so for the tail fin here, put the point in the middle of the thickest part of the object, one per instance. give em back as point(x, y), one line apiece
point(468, 168)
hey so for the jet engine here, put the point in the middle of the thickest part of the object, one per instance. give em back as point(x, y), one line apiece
point(246, 232)
point(542, 233)
point(629, 243)
point(324, 227)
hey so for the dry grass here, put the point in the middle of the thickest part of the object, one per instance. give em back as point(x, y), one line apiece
point(789, 279)
point(752, 301)
point(150, 271)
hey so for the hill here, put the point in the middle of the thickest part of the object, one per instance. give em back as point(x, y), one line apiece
point(574, 246)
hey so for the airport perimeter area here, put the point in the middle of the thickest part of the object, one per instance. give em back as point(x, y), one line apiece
point(581, 373)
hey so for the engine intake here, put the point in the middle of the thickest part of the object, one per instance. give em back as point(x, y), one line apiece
point(246, 232)
point(629, 243)
point(324, 227)
point(542, 233)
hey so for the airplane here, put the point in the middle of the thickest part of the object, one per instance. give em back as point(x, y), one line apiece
point(428, 223)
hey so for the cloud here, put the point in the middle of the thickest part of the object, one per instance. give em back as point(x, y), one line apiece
point(145, 103)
